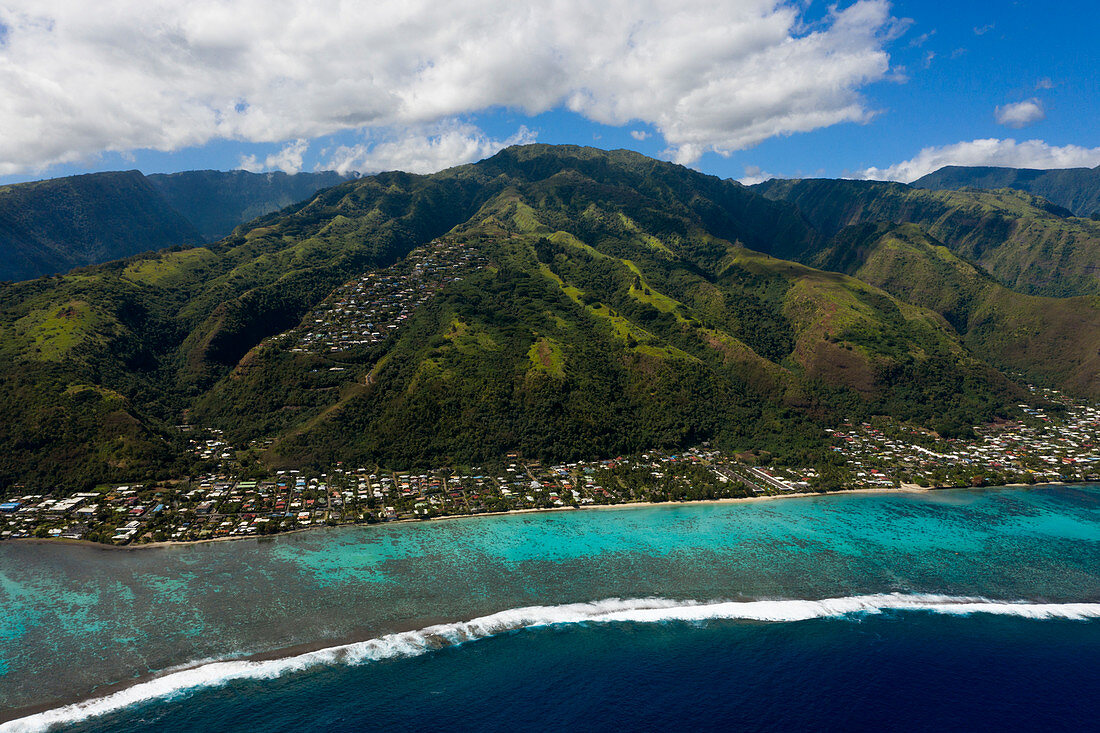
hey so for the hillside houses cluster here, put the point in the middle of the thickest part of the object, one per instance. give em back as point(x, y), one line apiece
point(371, 307)
point(211, 446)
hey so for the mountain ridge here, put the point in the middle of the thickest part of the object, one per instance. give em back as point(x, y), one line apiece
point(1026, 242)
point(620, 303)
point(55, 225)
point(51, 226)
point(1077, 189)
point(217, 202)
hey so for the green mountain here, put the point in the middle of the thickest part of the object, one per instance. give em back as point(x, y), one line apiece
point(55, 225)
point(582, 303)
point(216, 202)
point(1027, 243)
point(52, 226)
point(1076, 189)
point(563, 348)
point(1050, 340)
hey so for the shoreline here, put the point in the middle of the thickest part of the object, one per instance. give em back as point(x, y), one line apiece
point(903, 489)
point(104, 690)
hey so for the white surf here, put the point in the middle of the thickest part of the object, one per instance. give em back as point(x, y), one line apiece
point(180, 681)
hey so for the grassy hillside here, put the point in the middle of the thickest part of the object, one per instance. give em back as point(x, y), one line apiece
point(1026, 242)
point(1053, 340)
point(55, 225)
point(622, 302)
point(1076, 189)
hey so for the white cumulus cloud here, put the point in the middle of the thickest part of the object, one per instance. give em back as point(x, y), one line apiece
point(1020, 114)
point(289, 159)
point(78, 79)
point(989, 152)
point(755, 174)
point(422, 150)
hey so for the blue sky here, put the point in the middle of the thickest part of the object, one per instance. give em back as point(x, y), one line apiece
point(750, 89)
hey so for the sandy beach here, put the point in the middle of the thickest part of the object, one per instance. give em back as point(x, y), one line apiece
point(903, 489)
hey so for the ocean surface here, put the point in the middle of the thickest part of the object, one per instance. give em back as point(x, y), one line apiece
point(976, 609)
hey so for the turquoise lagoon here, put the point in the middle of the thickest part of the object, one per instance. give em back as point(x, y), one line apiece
point(81, 622)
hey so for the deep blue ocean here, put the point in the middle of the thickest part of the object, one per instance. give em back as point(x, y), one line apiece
point(911, 672)
point(975, 610)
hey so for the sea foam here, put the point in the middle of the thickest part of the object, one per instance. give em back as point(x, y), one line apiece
point(180, 681)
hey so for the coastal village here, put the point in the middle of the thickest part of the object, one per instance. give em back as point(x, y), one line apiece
point(1044, 448)
point(228, 501)
point(217, 505)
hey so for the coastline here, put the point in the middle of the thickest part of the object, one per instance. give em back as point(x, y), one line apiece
point(903, 489)
point(420, 622)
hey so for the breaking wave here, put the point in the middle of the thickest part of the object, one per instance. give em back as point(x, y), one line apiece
point(642, 610)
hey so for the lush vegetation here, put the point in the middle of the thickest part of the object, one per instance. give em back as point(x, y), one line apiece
point(629, 304)
point(1051, 340)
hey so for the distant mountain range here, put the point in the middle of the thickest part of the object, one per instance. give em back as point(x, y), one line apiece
point(52, 226)
point(1026, 242)
point(623, 303)
point(1076, 189)
point(216, 202)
